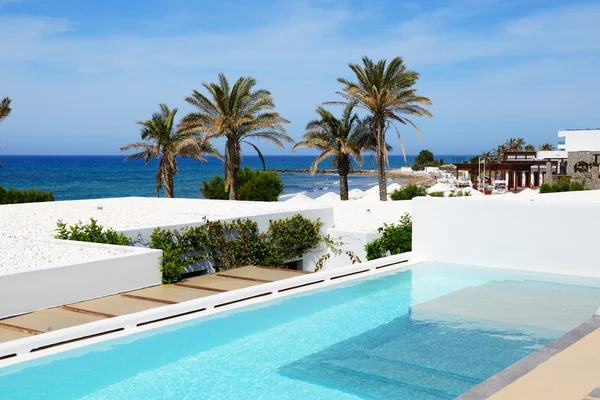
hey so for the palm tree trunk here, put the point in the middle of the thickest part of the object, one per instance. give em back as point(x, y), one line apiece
point(344, 187)
point(343, 169)
point(169, 186)
point(233, 166)
point(381, 163)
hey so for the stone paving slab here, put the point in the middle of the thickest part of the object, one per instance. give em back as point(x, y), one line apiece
point(6, 334)
point(116, 305)
point(260, 274)
point(216, 283)
point(170, 293)
point(50, 320)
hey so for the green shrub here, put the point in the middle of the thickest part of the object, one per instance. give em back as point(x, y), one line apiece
point(91, 232)
point(214, 189)
point(409, 192)
point(15, 196)
point(395, 239)
point(253, 186)
point(294, 236)
point(436, 194)
point(459, 193)
point(562, 186)
point(227, 245)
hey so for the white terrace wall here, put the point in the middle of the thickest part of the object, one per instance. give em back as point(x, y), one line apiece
point(544, 236)
point(31, 290)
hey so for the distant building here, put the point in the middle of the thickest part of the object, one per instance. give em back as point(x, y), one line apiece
point(577, 157)
point(579, 140)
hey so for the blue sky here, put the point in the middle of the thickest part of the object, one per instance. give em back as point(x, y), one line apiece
point(80, 73)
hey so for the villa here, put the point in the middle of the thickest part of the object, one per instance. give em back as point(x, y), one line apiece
point(454, 318)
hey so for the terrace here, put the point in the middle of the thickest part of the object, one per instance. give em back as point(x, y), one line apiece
point(534, 289)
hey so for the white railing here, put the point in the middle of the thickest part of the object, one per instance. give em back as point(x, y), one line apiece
point(52, 342)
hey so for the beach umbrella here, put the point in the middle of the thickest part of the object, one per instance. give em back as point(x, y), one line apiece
point(328, 197)
point(439, 187)
point(356, 194)
point(374, 189)
point(394, 186)
point(299, 198)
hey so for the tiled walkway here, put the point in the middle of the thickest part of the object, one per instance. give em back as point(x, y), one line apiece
point(138, 300)
point(569, 375)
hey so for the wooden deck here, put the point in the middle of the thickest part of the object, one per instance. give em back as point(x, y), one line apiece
point(138, 300)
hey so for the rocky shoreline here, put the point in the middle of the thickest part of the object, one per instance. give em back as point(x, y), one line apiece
point(408, 177)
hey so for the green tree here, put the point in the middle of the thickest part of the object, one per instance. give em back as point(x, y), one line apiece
point(386, 92)
point(5, 108)
point(162, 140)
point(424, 157)
point(343, 139)
point(259, 185)
point(546, 147)
point(529, 147)
point(237, 113)
point(253, 186)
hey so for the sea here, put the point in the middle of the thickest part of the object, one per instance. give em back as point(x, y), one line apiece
point(91, 177)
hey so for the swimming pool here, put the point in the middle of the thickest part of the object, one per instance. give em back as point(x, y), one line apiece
point(432, 331)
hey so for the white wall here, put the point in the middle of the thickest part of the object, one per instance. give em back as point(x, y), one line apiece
point(581, 140)
point(352, 241)
point(39, 289)
point(543, 236)
point(541, 155)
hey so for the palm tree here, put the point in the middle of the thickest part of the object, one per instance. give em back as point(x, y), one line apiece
point(386, 92)
point(514, 144)
point(488, 156)
point(529, 147)
point(343, 139)
point(499, 151)
point(161, 139)
point(236, 113)
point(5, 108)
point(546, 147)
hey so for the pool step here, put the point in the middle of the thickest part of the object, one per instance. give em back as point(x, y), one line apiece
point(373, 371)
point(549, 289)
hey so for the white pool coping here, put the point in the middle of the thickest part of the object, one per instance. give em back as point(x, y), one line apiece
point(45, 344)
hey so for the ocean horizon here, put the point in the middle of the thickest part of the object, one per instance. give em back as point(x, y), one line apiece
point(76, 177)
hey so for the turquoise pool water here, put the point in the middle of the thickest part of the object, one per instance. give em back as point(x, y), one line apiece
point(430, 332)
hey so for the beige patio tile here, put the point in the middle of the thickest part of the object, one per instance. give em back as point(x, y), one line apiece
point(261, 274)
point(7, 334)
point(115, 305)
point(170, 293)
point(217, 283)
point(48, 321)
